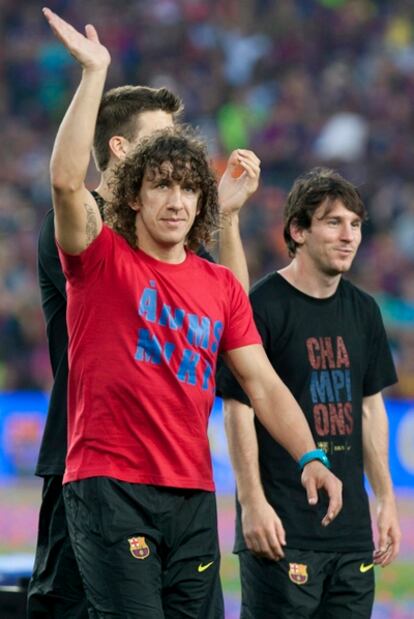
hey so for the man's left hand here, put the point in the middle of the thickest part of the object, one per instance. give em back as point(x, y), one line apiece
point(389, 533)
point(239, 181)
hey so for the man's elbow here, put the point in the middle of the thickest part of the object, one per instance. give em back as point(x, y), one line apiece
point(63, 183)
point(63, 186)
point(235, 411)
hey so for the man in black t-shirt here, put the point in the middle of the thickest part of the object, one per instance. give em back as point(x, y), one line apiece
point(326, 340)
point(126, 115)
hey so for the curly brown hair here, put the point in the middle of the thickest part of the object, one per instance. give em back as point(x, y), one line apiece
point(309, 191)
point(184, 150)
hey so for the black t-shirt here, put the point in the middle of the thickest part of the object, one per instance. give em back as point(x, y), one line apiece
point(52, 282)
point(331, 353)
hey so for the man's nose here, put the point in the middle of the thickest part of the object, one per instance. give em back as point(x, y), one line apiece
point(348, 232)
point(175, 199)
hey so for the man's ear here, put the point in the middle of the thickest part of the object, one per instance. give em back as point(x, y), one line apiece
point(296, 232)
point(136, 205)
point(118, 147)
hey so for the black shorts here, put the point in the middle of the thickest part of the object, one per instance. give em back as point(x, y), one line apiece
point(55, 589)
point(305, 584)
point(145, 551)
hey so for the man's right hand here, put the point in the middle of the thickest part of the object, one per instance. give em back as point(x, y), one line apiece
point(315, 477)
point(263, 530)
point(87, 50)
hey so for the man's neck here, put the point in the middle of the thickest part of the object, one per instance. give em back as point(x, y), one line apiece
point(171, 255)
point(103, 187)
point(309, 280)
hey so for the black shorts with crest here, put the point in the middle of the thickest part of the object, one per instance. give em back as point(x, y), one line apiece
point(145, 551)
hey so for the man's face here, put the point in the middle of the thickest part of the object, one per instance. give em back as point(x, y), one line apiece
point(166, 210)
point(147, 123)
point(330, 244)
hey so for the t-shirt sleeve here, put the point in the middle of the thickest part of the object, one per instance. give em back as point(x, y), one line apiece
point(227, 386)
point(380, 372)
point(49, 266)
point(240, 329)
point(80, 266)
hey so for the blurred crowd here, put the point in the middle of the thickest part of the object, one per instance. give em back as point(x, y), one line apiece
point(302, 82)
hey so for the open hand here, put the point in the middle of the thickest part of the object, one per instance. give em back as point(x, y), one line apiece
point(234, 189)
point(86, 49)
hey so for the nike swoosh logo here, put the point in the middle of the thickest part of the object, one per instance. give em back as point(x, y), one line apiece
point(365, 568)
point(203, 568)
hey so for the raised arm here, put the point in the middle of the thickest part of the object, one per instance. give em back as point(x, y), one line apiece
point(77, 218)
point(375, 444)
point(282, 417)
point(234, 190)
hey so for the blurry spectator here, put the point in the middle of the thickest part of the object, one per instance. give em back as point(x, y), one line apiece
point(343, 138)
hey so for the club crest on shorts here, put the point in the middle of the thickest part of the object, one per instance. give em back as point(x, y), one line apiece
point(298, 573)
point(138, 547)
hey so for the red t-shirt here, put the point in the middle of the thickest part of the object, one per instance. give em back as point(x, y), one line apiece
point(143, 342)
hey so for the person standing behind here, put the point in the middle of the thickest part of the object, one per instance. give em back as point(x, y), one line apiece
point(126, 115)
point(326, 340)
point(138, 488)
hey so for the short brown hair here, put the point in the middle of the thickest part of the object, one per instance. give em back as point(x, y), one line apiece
point(118, 111)
point(186, 152)
point(309, 191)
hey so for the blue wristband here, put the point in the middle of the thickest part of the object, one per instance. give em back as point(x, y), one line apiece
point(316, 454)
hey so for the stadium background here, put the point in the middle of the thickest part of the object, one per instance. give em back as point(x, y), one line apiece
point(303, 83)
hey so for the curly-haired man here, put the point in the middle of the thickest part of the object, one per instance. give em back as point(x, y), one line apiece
point(146, 320)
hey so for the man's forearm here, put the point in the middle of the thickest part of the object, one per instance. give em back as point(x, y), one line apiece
point(73, 144)
point(271, 400)
point(281, 415)
point(243, 449)
point(375, 446)
point(231, 252)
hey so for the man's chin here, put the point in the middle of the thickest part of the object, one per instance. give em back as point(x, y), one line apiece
point(172, 240)
point(339, 269)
